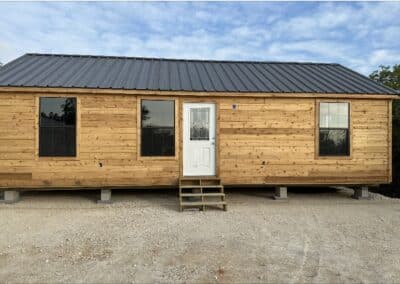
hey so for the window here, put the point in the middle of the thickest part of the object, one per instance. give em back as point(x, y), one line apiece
point(199, 123)
point(334, 129)
point(157, 128)
point(57, 136)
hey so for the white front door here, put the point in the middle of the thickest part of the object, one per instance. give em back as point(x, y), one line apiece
point(198, 139)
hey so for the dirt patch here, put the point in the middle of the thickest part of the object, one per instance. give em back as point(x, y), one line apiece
point(315, 236)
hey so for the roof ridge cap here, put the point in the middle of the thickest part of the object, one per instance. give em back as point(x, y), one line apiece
point(179, 59)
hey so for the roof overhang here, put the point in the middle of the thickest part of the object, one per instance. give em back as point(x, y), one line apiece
point(52, 90)
point(197, 76)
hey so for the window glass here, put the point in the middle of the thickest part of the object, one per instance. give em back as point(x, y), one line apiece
point(157, 128)
point(324, 115)
point(334, 115)
point(334, 129)
point(333, 142)
point(57, 135)
point(199, 123)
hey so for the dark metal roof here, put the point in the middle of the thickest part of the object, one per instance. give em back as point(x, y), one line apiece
point(133, 73)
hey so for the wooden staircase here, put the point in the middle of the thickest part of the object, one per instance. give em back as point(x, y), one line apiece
point(200, 192)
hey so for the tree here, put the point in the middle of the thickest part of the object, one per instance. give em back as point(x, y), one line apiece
point(391, 77)
point(388, 76)
point(69, 111)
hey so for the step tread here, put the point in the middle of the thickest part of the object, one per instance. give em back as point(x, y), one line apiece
point(203, 203)
point(202, 186)
point(199, 178)
point(202, 194)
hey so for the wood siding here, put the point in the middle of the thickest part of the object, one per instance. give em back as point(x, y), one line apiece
point(261, 141)
point(274, 141)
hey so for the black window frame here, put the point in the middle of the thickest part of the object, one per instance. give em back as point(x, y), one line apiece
point(347, 153)
point(55, 155)
point(174, 144)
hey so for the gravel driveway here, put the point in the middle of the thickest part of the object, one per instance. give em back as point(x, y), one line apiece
point(320, 237)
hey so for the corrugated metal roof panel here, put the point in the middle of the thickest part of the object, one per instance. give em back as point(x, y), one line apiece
point(214, 78)
point(323, 84)
point(133, 73)
point(223, 77)
point(164, 76)
point(204, 77)
point(142, 78)
point(154, 76)
point(87, 63)
point(116, 82)
point(248, 84)
point(174, 80)
point(257, 78)
point(362, 80)
point(335, 82)
point(132, 76)
point(273, 84)
point(305, 80)
point(343, 80)
point(184, 78)
point(285, 78)
point(112, 76)
point(194, 78)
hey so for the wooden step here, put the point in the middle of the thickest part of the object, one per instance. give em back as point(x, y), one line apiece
point(199, 181)
point(199, 203)
point(199, 190)
point(200, 177)
point(201, 186)
point(202, 194)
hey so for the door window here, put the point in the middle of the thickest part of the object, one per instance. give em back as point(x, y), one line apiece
point(199, 124)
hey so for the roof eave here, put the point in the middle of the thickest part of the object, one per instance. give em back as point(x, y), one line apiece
point(105, 91)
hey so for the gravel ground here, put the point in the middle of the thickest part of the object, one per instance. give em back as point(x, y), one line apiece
point(321, 237)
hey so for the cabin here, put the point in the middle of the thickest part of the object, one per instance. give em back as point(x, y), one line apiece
point(103, 122)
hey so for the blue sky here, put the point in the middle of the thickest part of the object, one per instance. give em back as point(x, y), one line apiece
point(360, 35)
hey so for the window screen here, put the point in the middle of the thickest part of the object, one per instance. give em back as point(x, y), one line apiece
point(157, 128)
point(334, 129)
point(57, 135)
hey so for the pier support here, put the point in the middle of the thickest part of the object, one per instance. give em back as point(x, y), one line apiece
point(280, 193)
point(105, 196)
point(11, 196)
point(361, 192)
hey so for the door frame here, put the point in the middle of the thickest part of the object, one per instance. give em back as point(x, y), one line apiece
point(217, 132)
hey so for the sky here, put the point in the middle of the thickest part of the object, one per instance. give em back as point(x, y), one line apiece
point(359, 35)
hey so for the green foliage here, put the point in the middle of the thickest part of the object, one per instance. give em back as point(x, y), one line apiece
point(391, 77)
point(388, 76)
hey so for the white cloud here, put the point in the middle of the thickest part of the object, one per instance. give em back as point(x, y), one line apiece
point(384, 56)
point(358, 35)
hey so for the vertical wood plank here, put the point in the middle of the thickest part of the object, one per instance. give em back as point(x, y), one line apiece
point(36, 127)
point(78, 126)
point(138, 127)
point(390, 139)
